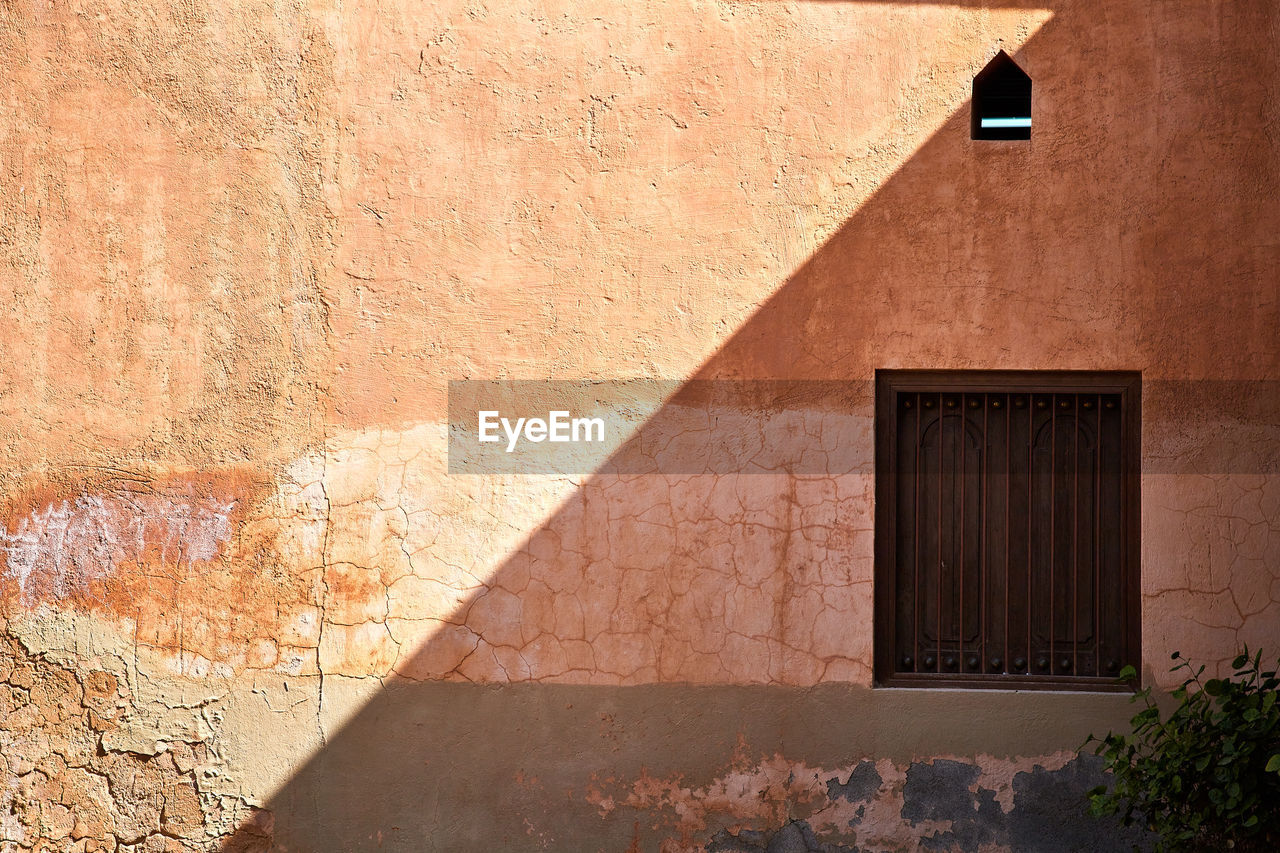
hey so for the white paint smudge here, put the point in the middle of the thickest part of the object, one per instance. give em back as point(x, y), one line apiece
point(60, 549)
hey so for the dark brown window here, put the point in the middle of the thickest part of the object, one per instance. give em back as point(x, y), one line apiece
point(1006, 528)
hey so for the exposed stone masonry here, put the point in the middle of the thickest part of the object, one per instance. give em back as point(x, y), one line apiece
point(63, 789)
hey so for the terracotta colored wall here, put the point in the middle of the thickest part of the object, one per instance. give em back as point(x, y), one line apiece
point(244, 246)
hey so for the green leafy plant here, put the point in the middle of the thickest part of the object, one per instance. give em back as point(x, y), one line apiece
point(1208, 776)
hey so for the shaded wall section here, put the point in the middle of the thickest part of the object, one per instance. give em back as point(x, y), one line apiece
point(1054, 255)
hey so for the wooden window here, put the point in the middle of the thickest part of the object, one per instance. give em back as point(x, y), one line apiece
point(1006, 528)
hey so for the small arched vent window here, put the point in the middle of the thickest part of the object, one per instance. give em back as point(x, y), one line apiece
point(1001, 101)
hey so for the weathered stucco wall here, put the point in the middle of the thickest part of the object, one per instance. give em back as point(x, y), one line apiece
point(243, 247)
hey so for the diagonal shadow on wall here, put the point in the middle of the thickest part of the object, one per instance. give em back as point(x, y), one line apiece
point(995, 255)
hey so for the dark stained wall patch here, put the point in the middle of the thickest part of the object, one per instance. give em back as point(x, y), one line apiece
point(1001, 101)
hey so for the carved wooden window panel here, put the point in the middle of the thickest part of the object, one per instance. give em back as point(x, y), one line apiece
point(1006, 528)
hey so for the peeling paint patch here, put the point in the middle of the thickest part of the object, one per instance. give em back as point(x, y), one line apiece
point(1039, 822)
point(949, 805)
point(60, 550)
point(954, 812)
point(943, 792)
point(151, 550)
point(794, 837)
point(768, 793)
point(65, 784)
point(861, 786)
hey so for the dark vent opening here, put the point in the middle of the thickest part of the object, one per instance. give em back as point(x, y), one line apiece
point(1001, 101)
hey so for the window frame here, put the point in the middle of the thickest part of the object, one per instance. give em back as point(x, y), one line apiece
point(1127, 385)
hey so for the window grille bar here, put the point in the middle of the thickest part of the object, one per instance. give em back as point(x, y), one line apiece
point(1075, 537)
point(1009, 488)
point(983, 644)
point(1053, 531)
point(1031, 465)
point(941, 563)
point(916, 436)
point(962, 447)
point(1097, 542)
